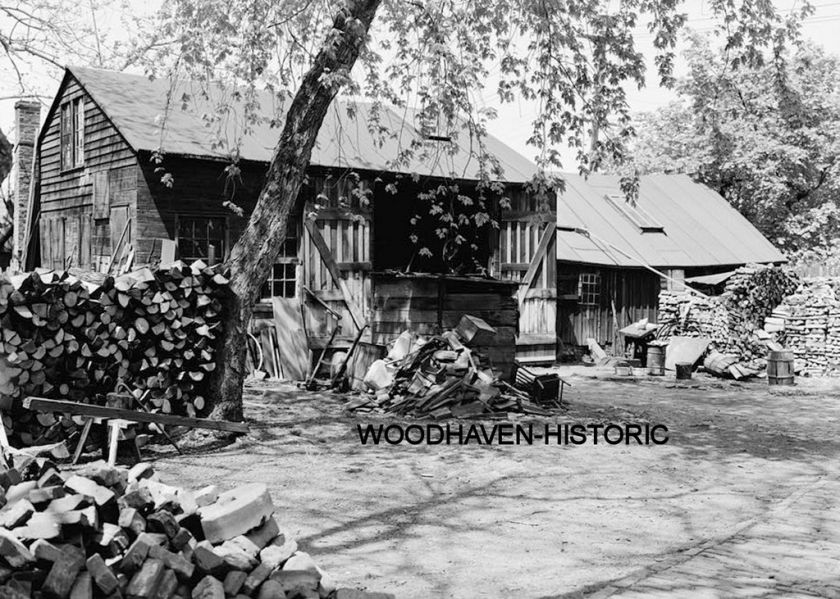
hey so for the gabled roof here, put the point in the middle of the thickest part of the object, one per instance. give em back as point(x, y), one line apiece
point(699, 227)
point(136, 105)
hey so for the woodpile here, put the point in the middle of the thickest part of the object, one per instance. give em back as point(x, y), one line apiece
point(443, 376)
point(752, 294)
point(734, 321)
point(689, 315)
point(113, 532)
point(74, 335)
point(809, 323)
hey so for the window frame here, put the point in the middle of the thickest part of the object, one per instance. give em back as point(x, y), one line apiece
point(71, 134)
point(589, 289)
point(289, 260)
point(225, 239)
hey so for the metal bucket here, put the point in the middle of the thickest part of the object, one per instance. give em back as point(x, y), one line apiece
point(684, 370)
point(780, 368)
point(656, 360)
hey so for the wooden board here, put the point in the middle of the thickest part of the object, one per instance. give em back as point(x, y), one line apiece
point(536, 262)
point(332, 266)
point(291, 337)
point(40, 404)
point(101, 204)
point(167, 252)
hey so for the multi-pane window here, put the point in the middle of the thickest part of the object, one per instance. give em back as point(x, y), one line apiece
point(202, 238)
point(590, 288)
point(73, 133)
point(282, 282)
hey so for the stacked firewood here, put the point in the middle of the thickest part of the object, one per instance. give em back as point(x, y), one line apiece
point(812, 326)
point(752, 293)
point(690, 315)
point(446, 376)
point(731, 319)
point(113, 532)
point(76, 335)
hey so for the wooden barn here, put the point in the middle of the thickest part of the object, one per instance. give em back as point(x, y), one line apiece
point(608, 249)
point(100, 196)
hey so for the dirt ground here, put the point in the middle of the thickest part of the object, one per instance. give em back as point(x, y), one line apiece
point(742, 501)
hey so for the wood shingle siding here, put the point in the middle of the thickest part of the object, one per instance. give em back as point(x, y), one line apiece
point(67, 232)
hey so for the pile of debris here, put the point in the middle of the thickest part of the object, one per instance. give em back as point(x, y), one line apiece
point(445, 377)
point(113, 532)
point(75, 335)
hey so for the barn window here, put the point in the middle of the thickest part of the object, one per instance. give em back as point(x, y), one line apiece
point(635, 214)
point(590, 288)
point(73, 133)
point(202, 238)
point(282, 281)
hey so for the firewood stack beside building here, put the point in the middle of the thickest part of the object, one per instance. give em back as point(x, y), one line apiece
point(75, 337)
point(734, 320)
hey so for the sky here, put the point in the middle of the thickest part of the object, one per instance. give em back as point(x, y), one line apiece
point(512, 126)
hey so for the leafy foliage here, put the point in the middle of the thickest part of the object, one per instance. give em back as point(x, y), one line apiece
point(431, 60)
point(765, 134)
point(41, 36)
point(574, 59)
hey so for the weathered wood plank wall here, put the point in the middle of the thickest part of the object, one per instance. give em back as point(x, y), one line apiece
point(624, 296)
point(428, 304)
point(68, 232)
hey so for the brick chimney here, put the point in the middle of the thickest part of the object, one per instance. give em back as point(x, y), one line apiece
point(27, 125)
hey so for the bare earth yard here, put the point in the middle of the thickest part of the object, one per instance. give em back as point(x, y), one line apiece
point(743, 500)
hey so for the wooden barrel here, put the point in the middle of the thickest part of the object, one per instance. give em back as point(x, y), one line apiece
point(684, 370)
point(780, 368)
point(656, 360)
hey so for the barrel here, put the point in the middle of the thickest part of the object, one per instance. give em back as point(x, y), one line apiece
point(780, 367)
point(656, 360)
point(684, 370)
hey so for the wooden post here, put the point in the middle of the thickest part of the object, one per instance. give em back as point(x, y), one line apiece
point(536, 261)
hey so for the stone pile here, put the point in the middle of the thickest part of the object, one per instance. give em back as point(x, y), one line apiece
point(113, 532)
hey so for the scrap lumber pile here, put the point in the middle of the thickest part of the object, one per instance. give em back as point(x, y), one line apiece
point(733, 321)
point(112, 532)
point(75, 335)
point(442, 376)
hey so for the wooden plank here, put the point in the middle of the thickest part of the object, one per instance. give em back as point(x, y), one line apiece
point(101, 205)
point(536, 261)
point(40, 404)
point(292, 345)
point(335, 273)
point(167, 252)
point(85, 242)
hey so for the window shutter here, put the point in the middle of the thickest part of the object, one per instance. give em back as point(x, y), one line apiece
point(66, 137)
point(80, 131)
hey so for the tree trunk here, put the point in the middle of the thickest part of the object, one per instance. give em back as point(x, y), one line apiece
point(256, 250)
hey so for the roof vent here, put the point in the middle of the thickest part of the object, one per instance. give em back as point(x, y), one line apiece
point(635, 214)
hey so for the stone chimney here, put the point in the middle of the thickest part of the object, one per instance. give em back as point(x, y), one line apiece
point(27, 125)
